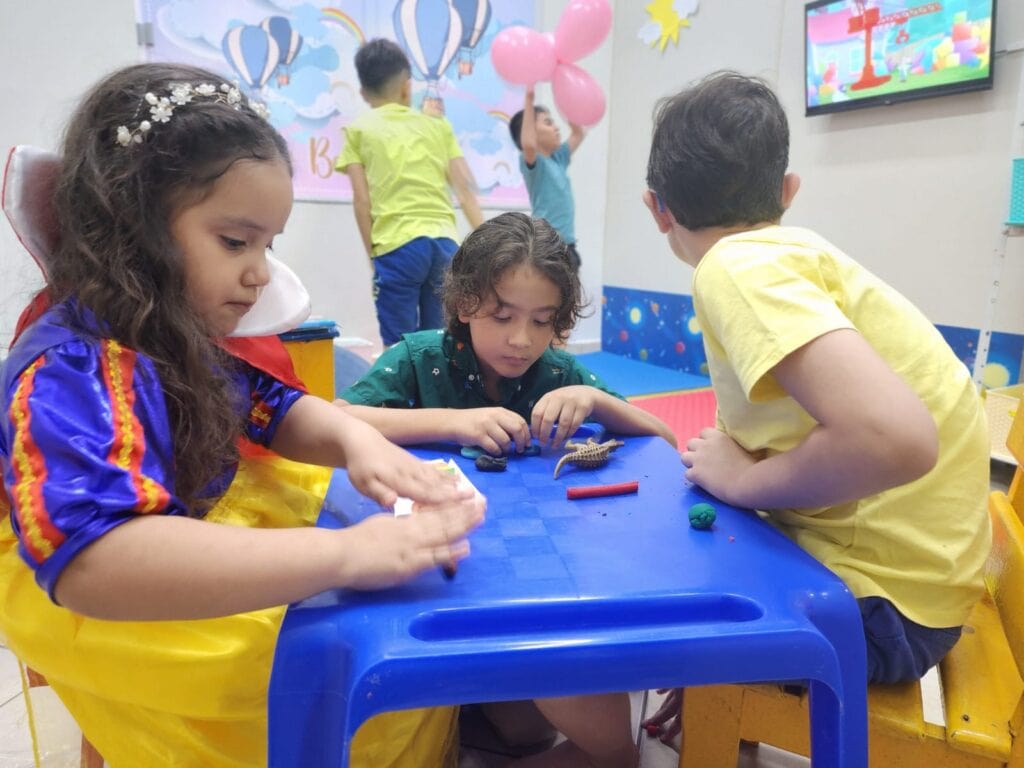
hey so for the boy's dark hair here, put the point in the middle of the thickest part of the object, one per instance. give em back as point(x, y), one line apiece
point(116, 257)
point(515, 125)
point(378, 61)
point(497, 245)
point(719, 153)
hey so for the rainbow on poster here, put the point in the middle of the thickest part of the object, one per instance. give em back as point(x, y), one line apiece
point(342, 19)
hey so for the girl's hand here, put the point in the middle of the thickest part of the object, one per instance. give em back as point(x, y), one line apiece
point(385, 550)
point(568, 407)
point(381, 470)
point(715, 462)
point(492, 429)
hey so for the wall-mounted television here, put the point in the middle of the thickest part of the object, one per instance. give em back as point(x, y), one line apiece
point(863, 53)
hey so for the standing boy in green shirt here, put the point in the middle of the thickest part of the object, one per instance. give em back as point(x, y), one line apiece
point(400, 163)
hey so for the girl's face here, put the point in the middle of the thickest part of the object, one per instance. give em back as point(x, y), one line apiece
point(512, 328)
point(224, 238)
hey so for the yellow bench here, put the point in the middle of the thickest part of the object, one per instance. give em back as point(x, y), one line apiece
point(983, 694)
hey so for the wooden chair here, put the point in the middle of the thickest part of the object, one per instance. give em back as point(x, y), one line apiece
point(981, 681)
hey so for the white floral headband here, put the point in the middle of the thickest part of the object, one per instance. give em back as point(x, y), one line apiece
point(161, 108)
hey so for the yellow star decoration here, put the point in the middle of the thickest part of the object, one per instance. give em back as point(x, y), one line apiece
point(663, 13)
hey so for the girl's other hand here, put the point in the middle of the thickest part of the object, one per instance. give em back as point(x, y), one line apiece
point(386, 550)
point(382, 471)
point(568, 407)
point(492, 429)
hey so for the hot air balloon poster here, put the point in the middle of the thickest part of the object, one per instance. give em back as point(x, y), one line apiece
point(297, 58)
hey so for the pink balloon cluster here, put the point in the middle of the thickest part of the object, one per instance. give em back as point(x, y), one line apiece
point(524, 56)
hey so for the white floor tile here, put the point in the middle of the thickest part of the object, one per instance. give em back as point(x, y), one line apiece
point(59, 736)
point(10, 678)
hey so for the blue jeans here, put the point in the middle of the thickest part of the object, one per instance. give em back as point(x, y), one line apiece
point(407, 286)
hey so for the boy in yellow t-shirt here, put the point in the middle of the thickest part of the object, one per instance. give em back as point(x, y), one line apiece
point(842, 414)
point(401, 163)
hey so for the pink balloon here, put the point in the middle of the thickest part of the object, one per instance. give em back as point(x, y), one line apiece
point(577, 95)
point(523, 56)
point(582, 27)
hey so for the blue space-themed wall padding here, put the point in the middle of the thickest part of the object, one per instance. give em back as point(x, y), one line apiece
point(662, 329)
point(657, 328)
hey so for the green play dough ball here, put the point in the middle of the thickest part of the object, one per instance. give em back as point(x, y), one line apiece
point(702, 515)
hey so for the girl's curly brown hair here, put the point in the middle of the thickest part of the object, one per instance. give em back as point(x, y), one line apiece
point(497, 245)
point(116, 257)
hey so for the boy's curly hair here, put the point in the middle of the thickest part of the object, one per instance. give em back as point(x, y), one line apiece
point(719, 152)
point(499, 244)
point(116, 257)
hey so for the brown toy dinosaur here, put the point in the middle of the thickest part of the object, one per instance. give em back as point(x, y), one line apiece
point(589, 454)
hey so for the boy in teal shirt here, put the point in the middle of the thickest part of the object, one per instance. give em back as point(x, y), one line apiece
point(544, 164)
point(400, 163)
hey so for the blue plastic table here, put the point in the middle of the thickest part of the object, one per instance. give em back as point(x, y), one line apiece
point(567, 597)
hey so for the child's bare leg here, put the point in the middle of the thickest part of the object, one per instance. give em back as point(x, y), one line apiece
point(518, 723)
point(598, 732)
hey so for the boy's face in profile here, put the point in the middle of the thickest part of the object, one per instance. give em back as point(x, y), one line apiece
point(549, 138)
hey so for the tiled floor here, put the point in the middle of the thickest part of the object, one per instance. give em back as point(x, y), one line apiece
point(60, 737)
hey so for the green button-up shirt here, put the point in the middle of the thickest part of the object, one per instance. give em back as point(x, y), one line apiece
point(431, 369)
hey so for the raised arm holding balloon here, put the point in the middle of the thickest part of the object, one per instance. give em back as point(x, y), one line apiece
point(544, 163)
point(524, 56)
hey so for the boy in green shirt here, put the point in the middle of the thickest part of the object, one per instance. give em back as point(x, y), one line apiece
point(493, 380)
point(400, 163)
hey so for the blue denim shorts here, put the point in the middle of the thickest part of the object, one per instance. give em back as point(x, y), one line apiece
point(899, 650)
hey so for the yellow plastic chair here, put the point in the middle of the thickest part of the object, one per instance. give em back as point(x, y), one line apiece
point(981, 681)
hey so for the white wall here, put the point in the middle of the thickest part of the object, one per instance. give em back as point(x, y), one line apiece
point(59, 48)
point(917, 192)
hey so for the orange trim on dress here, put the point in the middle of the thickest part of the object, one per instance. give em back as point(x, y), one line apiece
point(38, 534)
point(129, 444)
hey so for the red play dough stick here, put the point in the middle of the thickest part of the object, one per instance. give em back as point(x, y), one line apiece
point(590, 491)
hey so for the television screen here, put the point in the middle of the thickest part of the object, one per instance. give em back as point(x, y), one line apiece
point(864, 53)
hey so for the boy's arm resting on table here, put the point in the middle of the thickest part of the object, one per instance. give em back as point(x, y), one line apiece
point(576, 135)
point(361, 204)
point(460, 177)
point(493, 429)
point(873, 433)
point(157, 567)
point(570, 406)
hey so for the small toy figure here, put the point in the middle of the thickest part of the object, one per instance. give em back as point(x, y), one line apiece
point(590, 454)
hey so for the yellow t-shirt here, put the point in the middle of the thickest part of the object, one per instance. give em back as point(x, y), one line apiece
point(405, 155)
point(761, 295)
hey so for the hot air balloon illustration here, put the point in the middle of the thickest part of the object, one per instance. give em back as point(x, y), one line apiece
point(289, 42)
point(252, 53)
point(430, 31)
point(475, 15)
